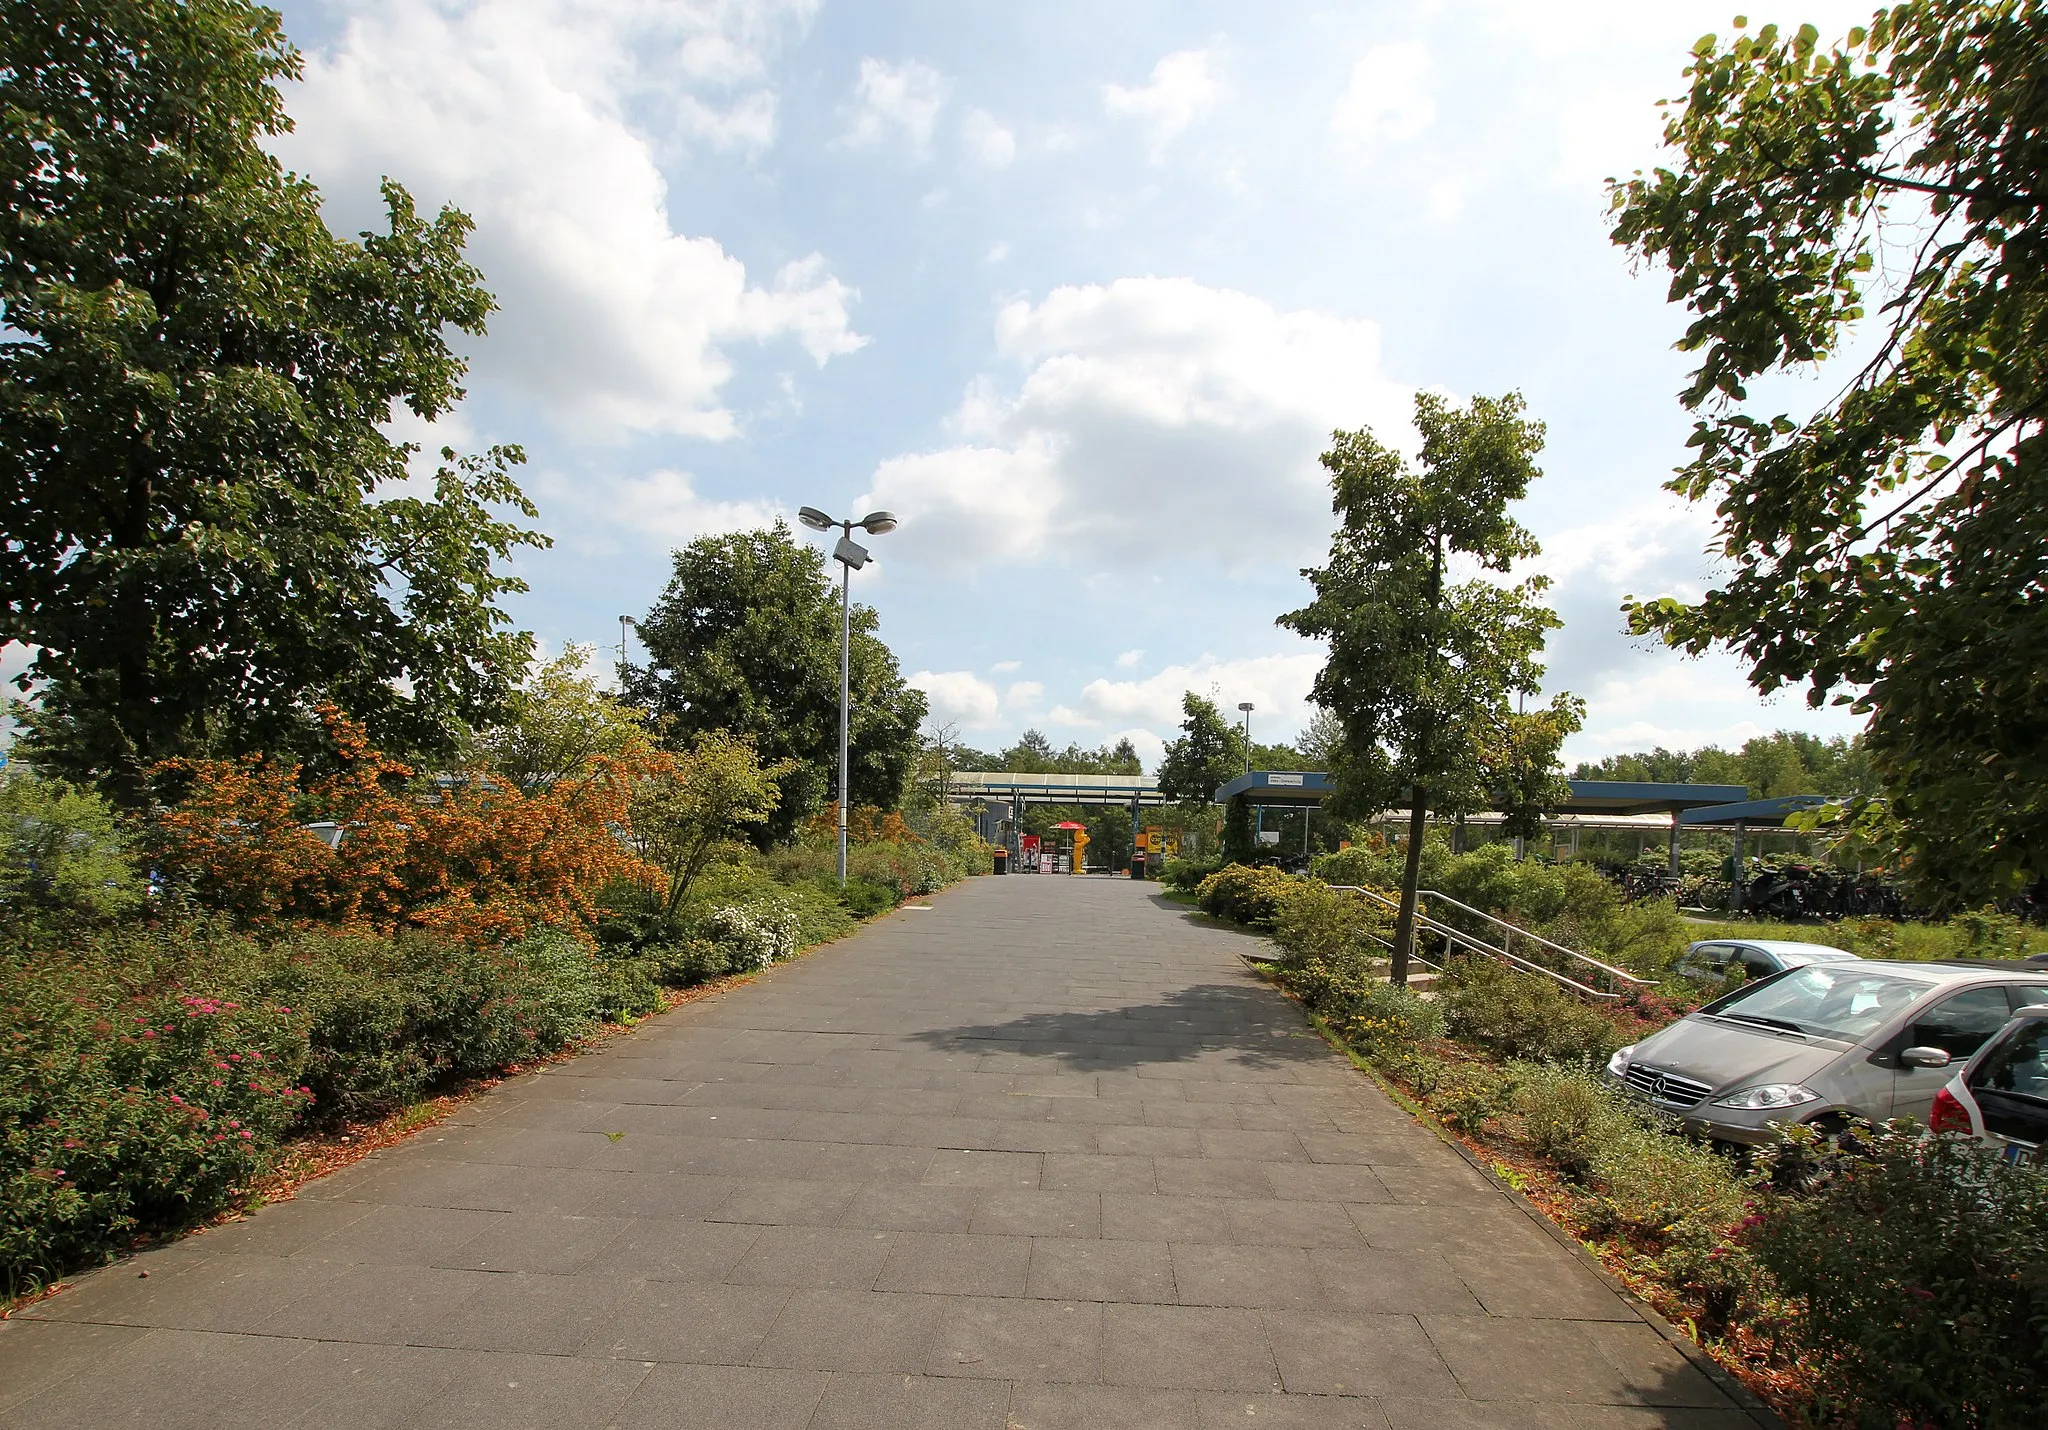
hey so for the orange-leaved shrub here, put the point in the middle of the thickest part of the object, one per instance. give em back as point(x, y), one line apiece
point(480, 860)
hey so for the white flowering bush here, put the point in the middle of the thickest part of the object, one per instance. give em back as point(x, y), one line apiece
point(753, 935)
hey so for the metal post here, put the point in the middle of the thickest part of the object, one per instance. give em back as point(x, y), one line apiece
point(845, 689)
point(1674, 844)
point(1735, 897)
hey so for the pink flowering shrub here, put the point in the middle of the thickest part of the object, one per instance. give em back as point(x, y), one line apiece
point(120, 1114)
point(149, 1073)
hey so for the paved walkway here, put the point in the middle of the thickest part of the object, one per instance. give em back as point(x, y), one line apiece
point(1044, 1156)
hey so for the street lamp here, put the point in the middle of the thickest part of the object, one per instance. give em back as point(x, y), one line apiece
point(851, 556)
point(1246, 706)
point(626, 623)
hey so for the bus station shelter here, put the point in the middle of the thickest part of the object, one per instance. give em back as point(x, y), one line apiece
point(1594, 804)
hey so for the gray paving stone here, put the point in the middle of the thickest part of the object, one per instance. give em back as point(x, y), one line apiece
point(1346, 1353)
point(956, 1171)
point(854, 1330)
point(688, 1321)
point(1191, 1347)
point(912, 1402)
point(1289, 1412)
point(1102, 1270)
point(954, 1264)
point(1003, 1338)
point(1097, 1407)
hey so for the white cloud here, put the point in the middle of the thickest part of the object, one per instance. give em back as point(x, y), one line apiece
point(1129, 658)
point(896, 100)
point(534, 117)
point(1156, 420)
point(1023, 694)
point(1004, 667)
point(958, 697)
point(987, 141)
point(1185, 86)
point(1277, 685)
point(664, 506)
point(1388, 100)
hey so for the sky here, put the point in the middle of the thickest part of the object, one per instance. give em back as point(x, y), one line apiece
point(1077, 291)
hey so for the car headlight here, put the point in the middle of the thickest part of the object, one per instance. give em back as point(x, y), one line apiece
point(1768, 1095)
point(1618, 1064)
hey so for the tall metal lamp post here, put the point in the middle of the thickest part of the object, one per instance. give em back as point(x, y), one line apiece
point(851, 556)
point(1246, 706)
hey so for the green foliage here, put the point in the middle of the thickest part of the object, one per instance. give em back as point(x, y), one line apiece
point(1914, 503)
point(1238, 845)
point(557, 725)
point(685, 804)
point(1208, 754)
point(1381, 1021)
point(1187, 875)
point(1334, 926)
point(1246, 894)
point(1672, 1200)
point(867, 898)
point(148, 1073)
point(1519, 1015)
point(1918, 1264)
point(1422, 672)
point(62, 849)
point(203, 532)
point(745, 640)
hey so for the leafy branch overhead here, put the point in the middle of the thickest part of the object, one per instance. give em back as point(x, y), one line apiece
point(209, 531)
point(1887, 196)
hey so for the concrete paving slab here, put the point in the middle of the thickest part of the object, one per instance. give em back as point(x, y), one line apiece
point(1045, 1156)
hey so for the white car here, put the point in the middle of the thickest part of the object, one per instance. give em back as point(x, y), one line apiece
point(2001, 1095)
point(1711, 960)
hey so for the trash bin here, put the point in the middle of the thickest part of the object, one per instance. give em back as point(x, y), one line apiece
point(1002, 860)
point(1138, 864)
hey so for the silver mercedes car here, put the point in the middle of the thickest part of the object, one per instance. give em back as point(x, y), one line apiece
point(1824, 1043)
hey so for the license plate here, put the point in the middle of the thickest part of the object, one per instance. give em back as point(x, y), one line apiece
point(2020, 1154)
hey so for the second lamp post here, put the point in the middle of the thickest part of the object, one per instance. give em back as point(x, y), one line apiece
point(851, 556)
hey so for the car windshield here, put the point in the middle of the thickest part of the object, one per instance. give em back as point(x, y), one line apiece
point(1830, 1000)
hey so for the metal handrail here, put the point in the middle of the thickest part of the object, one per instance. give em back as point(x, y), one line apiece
point(1623, 974)
point(1473, 944)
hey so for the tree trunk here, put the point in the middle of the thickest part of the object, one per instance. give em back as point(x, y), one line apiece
point(1411, 875)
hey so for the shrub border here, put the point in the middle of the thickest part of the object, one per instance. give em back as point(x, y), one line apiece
point(1746, 1400)
point(322, 1154)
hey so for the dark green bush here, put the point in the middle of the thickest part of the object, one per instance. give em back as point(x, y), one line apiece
point(866, 898)
point(1245, 894)
point(148, 1073)
point(1373, 1016)
point(1341, 928)
point(1186, 875)
point(688, 962)
point(1522, 1015)
point(1920, 1267)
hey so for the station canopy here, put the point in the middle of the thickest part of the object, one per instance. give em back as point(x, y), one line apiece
point(1588, 797)
point(1751, 811)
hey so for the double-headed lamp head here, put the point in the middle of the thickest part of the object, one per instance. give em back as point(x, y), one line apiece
point(813, 518)
point(878, 522)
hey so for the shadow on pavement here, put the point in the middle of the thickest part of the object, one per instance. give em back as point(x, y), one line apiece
point(1243, 1025)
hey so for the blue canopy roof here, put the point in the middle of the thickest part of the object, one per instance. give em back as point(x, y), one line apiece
point(1753, 811)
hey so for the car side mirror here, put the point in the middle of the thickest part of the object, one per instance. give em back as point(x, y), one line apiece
point(1925, 1058)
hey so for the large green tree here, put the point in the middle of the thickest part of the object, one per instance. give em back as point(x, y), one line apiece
point(1887, 199)
point(193, 393)
point(746, 639)
point(1422, 667)
point(1209, 753)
